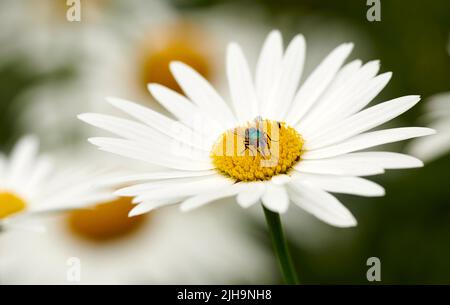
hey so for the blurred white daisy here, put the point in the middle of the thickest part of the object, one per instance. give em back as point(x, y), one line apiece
point(29, 184)
point(438, 117)
point(41, 32)
point(320, 127)
point(155, 248)
point(154, 34)
point(121, 58)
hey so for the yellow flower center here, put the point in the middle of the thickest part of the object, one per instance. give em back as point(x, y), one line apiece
point(180, 42)
point(10, 204)
point(258, 150)
point(106, 221)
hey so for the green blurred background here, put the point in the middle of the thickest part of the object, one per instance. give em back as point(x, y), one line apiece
point(409, 228)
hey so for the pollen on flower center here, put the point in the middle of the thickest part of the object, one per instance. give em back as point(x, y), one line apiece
point(10, 204)
point(106, 221)
point(258, 150)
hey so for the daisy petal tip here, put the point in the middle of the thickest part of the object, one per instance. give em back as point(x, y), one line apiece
point(92, 141)
point(300, 40)
point(111, 99)
point(233, 46)
point(137, 211)
point(419, 163)
point(97, 141)
point(185, 208)
point(121, 193)
point(425, 131)
point(349, 46)
point(384, 77)
point(275, 33)
point(415, 99)
point(84, 117)
point(132, 213)
point(277, 209)
point(177, 65)
point(244, 205)
point(348, 222)
point(114, 101)
point(152, 87)
point(380, 193)
point(283, 209)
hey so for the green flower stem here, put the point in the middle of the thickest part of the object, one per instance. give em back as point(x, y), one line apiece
point(280, 247)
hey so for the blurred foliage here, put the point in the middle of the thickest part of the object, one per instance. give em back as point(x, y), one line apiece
point(15, 77)
point(409, 228)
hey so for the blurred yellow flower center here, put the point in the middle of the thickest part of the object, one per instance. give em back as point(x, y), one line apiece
point(10, 204)
point(106, 221)
point(258, 150)
point(178, 43)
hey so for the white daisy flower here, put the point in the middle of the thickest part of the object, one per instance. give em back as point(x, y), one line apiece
point(29, 185)
point(438, 116)
point(278, 143)
point(322, 128)
point(155, 248)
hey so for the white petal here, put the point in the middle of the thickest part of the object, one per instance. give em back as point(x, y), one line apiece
point(250, 194)
point(340, 167)
point(280, 179)
point(364, 97)
point(140, 132)
point(182, 189)
point(202, 93)
point(339, 89)
point(347, 75)
point(362, 121)
point(289, 78)
point(159, 122)
point(64, 203)
point(207, 197)
point(386, 160)
point(22, 158)
point(367, 140)
point(321, 204)
point(241, 84)
point(172, 174)
point(317, 82)
point(341, 184)
point(275, 198)
point(356, 94)
point(39, 173)
point(350, 104)
point(152, 155)
point(184, 110)
point(432, 147)
point(268, 68)
point(139, 188)
point(148, 206)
